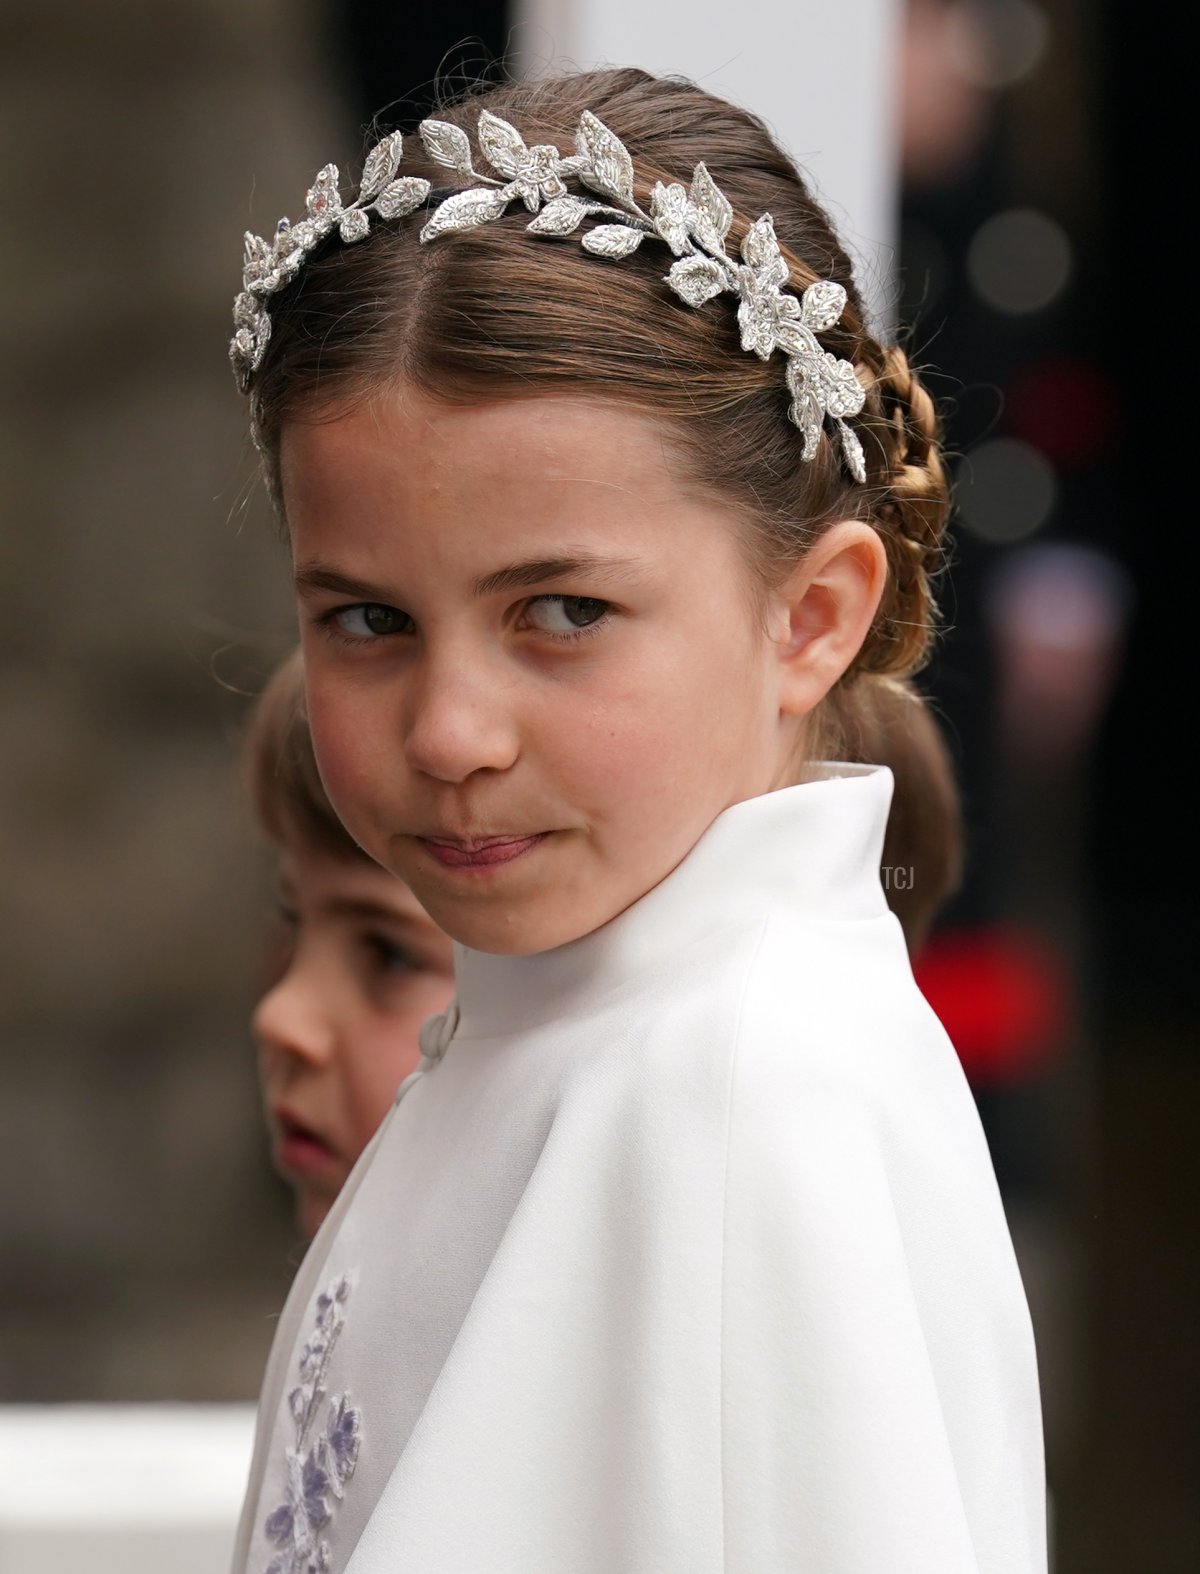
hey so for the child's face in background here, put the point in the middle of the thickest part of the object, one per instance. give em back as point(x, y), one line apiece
point(338, 1032)
point(445, 707)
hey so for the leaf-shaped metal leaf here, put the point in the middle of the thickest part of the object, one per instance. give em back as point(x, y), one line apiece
point(446, 144)
point(503, 145)
point(354, 224)
point(852, 452)
point(696, 279)
point(612, 240)
point(323, 196)
point(823, 303)
point(464, 210)
point(609, 168)
point(401, 197)
point(712, 206)
point(561, 217)
point(806, 411)
point(673, 214)
point(760, 248)
point(382, 163)
point(806, 414)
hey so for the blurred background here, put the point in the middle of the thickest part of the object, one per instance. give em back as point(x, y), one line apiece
point(1006, 184)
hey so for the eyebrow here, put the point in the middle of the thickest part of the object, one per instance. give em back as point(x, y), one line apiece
point(317, 576)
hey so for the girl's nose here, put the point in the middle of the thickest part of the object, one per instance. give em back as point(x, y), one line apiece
point(458, 723)
point(289, 1020)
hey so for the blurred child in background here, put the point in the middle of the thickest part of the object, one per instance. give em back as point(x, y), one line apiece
point(365, 966)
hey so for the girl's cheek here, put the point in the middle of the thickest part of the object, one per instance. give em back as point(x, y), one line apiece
point(340, 718)
point(345, 768)
point(338, 748)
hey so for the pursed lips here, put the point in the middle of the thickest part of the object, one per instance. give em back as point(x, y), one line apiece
point(474, 844)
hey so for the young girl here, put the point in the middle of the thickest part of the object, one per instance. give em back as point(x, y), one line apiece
point(681, 1250)
point(337, 1031)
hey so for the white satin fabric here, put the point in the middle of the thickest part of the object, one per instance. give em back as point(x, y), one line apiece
point(685, 1254)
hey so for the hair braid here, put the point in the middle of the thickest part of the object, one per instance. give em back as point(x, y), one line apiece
point(900, 428)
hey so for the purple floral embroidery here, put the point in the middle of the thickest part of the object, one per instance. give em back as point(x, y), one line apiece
point(323, 1457)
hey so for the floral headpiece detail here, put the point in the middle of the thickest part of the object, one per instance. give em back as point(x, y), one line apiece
point(693, 222)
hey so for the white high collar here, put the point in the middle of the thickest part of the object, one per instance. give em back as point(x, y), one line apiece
point(811, 850)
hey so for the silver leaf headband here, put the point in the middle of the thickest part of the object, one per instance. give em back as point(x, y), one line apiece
point(693, 223)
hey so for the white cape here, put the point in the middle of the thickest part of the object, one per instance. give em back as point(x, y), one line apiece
point(682, 1254)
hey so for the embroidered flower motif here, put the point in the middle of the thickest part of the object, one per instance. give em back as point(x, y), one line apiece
point(763, 312)
point(530, 172)
point(322, 1460)
point(673, 216)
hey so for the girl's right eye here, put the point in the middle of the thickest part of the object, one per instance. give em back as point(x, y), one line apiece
point(368, 620)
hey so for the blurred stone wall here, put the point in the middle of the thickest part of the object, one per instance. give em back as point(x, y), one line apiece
point(144, 1244)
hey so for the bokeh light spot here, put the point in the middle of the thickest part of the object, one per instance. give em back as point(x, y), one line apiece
point(1005, 490)
point(1014, 35)
point(1019, 261)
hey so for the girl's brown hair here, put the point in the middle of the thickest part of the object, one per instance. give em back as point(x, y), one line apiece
point(494, 312)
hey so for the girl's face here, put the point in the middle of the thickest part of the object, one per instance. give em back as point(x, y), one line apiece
point(338, 1032)
point(518, 623)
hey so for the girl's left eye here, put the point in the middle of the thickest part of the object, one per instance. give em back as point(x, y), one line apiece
point(591, 614)
point(368, 620)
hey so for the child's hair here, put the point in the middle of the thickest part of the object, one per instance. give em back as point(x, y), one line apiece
point(494, 312)
point(285, 786)
point(922, 862)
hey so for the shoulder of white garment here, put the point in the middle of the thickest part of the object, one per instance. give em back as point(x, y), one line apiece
point(876, 1342)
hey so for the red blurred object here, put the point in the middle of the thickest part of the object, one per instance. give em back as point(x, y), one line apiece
point(1065, 406)
point(1002, 994)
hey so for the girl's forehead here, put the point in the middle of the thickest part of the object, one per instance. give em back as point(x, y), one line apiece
point(478, 488)
point(405, 439)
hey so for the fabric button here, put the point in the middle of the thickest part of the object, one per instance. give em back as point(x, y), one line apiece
point(435, 1032)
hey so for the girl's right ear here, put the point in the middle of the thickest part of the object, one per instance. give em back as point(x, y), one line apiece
point(825, 611)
